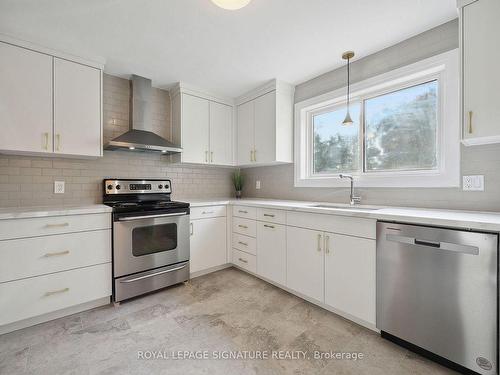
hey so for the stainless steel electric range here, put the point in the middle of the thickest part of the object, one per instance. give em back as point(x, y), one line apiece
point(150, 236)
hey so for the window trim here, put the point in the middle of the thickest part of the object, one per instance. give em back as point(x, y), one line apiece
point(444, 68)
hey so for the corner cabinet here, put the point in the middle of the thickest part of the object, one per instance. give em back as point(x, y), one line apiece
point(265, 125)
point(49, 104)
point(479, 31)
point(203, 126)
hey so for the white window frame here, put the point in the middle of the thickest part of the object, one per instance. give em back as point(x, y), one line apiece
point(445, 69)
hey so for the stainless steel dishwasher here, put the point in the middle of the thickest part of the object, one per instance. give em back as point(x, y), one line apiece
point(437, 290)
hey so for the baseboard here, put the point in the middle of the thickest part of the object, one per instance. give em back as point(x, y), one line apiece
point(209, 270)
point(342, 314)
point(54, 315)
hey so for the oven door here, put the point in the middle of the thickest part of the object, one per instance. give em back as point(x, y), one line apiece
point(145, 242)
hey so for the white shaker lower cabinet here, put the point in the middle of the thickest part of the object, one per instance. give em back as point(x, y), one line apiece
point(208, 244)
point(350, 275)
point(271, 252)
point(305, 262)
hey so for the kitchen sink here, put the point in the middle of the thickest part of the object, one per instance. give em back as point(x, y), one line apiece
point(345, 207)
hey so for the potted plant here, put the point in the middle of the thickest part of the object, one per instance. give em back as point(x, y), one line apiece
point(238, 183)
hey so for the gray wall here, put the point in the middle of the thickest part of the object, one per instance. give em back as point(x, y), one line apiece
point(277, 181)
point(29, 181)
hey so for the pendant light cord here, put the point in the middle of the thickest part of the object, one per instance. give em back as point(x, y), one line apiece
point(348, 83)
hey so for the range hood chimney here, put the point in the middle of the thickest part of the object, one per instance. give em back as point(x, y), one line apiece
point(140, 137)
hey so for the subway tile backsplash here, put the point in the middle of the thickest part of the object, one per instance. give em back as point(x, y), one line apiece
point(29, 181)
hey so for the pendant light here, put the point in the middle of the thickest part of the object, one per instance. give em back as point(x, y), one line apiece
point(231, 4)
point(348, 56)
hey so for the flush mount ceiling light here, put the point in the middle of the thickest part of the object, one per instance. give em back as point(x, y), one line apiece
point(348, 56)
point(231, 4)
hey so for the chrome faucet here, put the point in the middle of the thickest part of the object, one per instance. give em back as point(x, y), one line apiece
point(352, 198)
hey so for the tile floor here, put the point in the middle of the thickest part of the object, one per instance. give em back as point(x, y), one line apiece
point(224, 311)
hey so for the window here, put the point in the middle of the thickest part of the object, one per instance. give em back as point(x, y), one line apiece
point(405, 131)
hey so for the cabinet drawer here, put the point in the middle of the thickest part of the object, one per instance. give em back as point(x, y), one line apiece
point(244, 226)
point(244, 243)
point(43, 226)
point(271, 215)
point(245, 212)
point(245, 261)
point(207, 211)
point(352, 226)
point(27, 298)
point(28, 257)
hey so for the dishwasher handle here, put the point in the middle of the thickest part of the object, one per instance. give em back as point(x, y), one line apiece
point(447, 246)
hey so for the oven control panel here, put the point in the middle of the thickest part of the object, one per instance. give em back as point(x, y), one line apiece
point(137, 186)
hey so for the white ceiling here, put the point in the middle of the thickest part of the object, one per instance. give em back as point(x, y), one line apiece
point(227, 52)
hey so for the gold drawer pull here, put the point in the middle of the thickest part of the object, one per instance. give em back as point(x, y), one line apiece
point(243, 243)
point(269, 215)
point(58, 142)
point(327, 244)
point(269, 226)
point(470, 122)
point(48, 294)
point(243, 212)
point(207, 212)
point(243, 260)
point(243, 226)
point(57, 253)
point(57, 225)
point(319, 242)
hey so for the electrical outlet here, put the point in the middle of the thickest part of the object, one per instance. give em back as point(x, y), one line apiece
point(257, 184)
point(58, 187)
point(473, 183)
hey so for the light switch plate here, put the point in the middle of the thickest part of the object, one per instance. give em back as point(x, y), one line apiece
point(473, 183)
point(58, 187)
point(257, 184)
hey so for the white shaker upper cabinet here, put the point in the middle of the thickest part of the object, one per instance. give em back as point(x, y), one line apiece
point(25, 100)
point(221, 130)
point(77, 109)
point(265, 125)
point(265, 128)
point(481, 76)
point(245, 118)
point(195, 129)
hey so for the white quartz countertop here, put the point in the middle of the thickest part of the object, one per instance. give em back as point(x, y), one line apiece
point(476, 220)
point(45, 211)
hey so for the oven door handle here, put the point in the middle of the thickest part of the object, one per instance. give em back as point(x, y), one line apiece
point(153, 274)
point(150, 216)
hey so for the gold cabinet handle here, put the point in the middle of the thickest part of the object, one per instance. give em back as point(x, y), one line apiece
point(46, 142)
point(51, 293)
point(192, 229)
point(211, 157)
point(243, 260)
point(47, 255)
point(254, 155)
point(470, 122)
point(319, 242)
point(58, 142)
point(269, 215)
point(251, 155)
point(206, 156)
point(327, 244)
point(243, 212)
point(269, 226)
point(48, 226)
point(243, 226)
point(243, 243)
point(207, 212)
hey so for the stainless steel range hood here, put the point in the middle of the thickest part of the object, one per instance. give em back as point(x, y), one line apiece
point(140, 137)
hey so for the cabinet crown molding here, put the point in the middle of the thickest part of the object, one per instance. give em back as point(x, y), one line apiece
point(94, 62)
point(272, 85)
point(186, 88)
